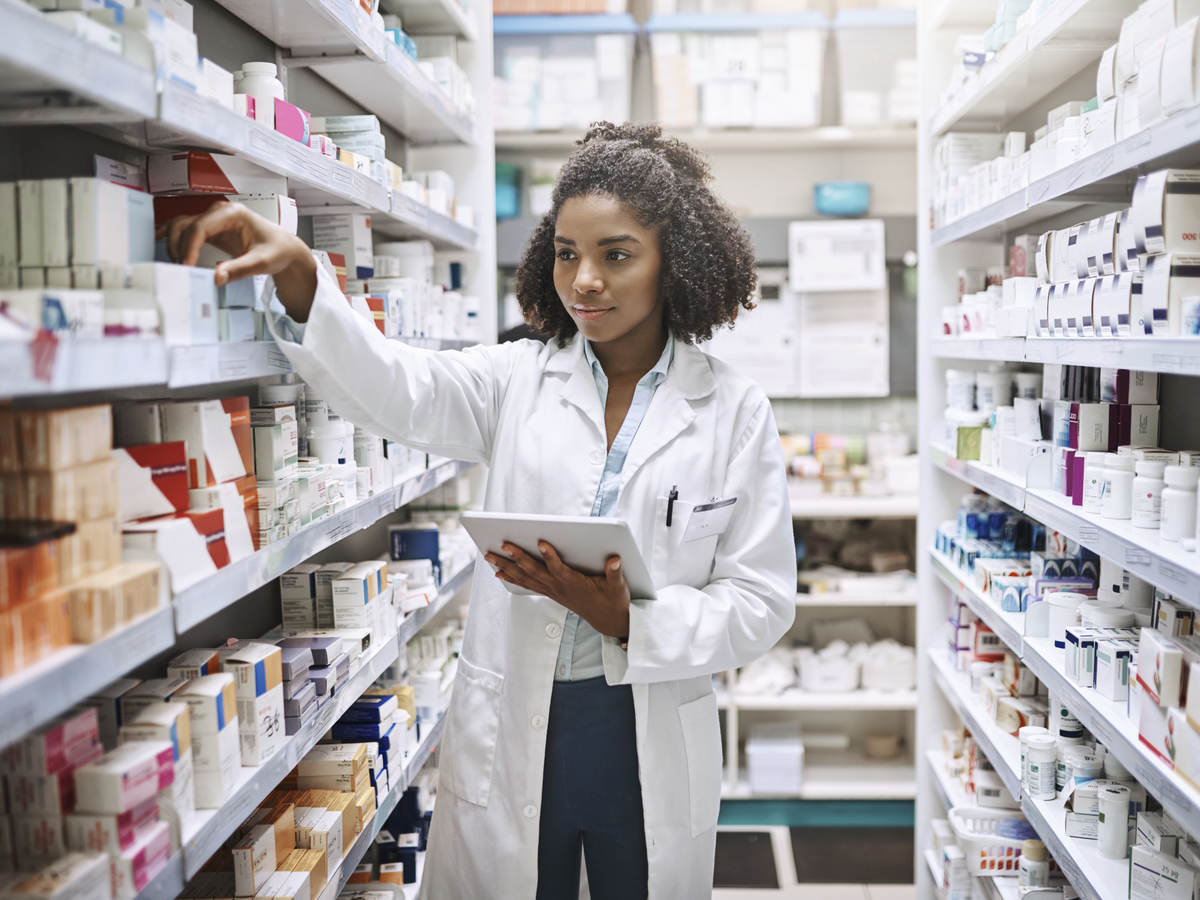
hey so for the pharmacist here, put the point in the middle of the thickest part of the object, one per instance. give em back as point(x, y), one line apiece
point(582, 720)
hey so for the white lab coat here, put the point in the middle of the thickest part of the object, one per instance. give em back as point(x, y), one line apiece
point(532, 414)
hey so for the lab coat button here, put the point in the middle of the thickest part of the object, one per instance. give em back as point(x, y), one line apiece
point(596, 457)
point(538, 721)
point(553, 630)
point(530, 811)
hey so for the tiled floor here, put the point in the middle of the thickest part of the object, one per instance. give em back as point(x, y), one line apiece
point(790, 890)
point(824, 892)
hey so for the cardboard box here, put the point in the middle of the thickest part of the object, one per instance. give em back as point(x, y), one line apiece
point(29, 206)
point(215, 741)
point(259, 684)
point(152, 480)
point(194, 663)
point(235, 522)
point(178, 544)
point(134, 868)
point(210, 173)
point(170, 722)
point(186, 297)
point(291, 121)
point(102, 603)
point(1167, 213)
point(1157, 876)
point(276, 436)
point(9, 254)
point(111, 225)
point(1125, 386)
point(298, 597)
point(75, 876)
point(217, 433)
point(108, 833)
point(1160, 668)
point(56, 239)
point(125, 777)
point(63, 744)
point(1168, 279)
point(106, 704)
point(350, 235)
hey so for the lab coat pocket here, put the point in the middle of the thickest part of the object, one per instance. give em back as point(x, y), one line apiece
point(702, 744)
point(469, 752)
point(683, 562)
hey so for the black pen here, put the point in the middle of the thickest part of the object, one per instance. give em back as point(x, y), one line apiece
point(671, 498)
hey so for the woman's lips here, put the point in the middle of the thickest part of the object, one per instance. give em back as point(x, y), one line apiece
point(590, 313)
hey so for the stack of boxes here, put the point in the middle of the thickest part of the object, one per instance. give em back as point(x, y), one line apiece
point(299, 693)
point(220, 522)
point(276, 452)
point(170, 722)
point(63, 583)
point(377, 719)
point(216, 744)
point(257, 670)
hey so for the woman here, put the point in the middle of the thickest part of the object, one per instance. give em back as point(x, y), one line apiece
point(583, 720)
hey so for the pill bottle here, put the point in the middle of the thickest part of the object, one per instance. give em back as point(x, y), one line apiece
point(1086, 767)
point(1041, 762)
point(1146, 506)
point(993, 388)
point(960, 389)
point(1034, 866)
point(1112, 803)
point(1024, 734)
point(1029, 384)
point(1093, 481)
point(1117, 493)
point(259, 81)
point(1178, 519)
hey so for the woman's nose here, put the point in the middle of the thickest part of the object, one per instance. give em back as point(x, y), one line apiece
point(587, 279)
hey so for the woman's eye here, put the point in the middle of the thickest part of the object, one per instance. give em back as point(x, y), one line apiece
point(566, 255)
point(617, 255)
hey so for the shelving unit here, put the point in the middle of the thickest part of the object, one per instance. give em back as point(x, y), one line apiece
point(51, 77)
point(845, 777)
point(831, 137)
point(830, 506)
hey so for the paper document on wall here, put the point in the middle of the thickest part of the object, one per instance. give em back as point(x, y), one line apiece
point(844, 344)
point(836, 255)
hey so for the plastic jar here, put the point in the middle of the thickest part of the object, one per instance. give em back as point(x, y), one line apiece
point(1099, 615)
point(1067, 729)
point(1112, 803)
point(259, 81)
point(1146, 507)
point(960, 389)
point(1114, 769)
point(1024, 734)
point(1063, 613)
point(1034, 866)
point(1041, 763)
point(1093, 480)
point(1117, 499)
point(1029, 384)
point(993, 388)
point(1085, 767)
point(1178, 520)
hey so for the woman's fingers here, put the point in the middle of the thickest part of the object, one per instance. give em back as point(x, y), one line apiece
point(219, 218)
point(255, 261)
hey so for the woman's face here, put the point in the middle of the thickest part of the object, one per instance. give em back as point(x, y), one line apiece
point(606, 268)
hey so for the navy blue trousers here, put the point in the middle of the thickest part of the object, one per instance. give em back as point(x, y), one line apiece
point(591, 795)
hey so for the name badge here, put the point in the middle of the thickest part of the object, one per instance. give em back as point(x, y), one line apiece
point(708, 519)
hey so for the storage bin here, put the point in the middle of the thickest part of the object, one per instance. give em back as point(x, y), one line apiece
point(738, 70)
point(987, 852)
point(557, 73)
point(877, 66)
point(775, 759)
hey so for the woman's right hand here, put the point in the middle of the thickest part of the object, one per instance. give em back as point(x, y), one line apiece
point(258, 247)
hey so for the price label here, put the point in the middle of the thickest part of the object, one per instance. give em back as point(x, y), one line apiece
point(343, 175)
point(1167, 361)
point(233, 366)
point(1172, 572)
point(190, 365)
point(1077, 175)
point(1089, 534)
point(260, 141)
point(338, 530)
point(1141, 139)
point(278, 360)
point(1135, 556)
point(1104, 161)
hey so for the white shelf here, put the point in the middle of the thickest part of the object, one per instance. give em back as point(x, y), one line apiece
point(40, 57)
point(1094, 876)
point(854, 777)
point(958, 15)
point(1008, 626)
point(323, 26)
point(1140, 550)
point(212, 594)
point(999, 484)
point(796, 699)
point(950, 791)
point(1069, 35)
point(736, 139)
point(1171, 355)
point(428, 744)
point(408, 219)
point(1001, 749)
point(830, 506)
point(830, 599)
point(415, 621)
point(80, 365)
point(432, 17)
point(37, 694)
point(1105, 174)
point(398, 92)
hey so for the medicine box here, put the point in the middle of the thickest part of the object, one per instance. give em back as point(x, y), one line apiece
point(153, 480)
point(212, 700)
point(169, 722)
point(63, 744)
point(107, 706)
point(1160, 667)
point(125, 777)
point(298, 597)
point(258, 676)
point(111, 225)
point(74, 876)
point(212, 173)
point(194, 663)
point(134, 868)
point(1125, 386)
point(350, 235)
point(1113, 659)
point(1167, 280)
point(276, 437)
point(1186, 744)
point(107, 832)
point(324, 649)
point(1158, 876)
point(186, 297)
point(217, 433)
point(154, 690)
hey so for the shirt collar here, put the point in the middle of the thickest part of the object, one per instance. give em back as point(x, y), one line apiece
point(659, 368)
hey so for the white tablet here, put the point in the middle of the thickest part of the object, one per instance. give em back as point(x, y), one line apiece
point(583, 542)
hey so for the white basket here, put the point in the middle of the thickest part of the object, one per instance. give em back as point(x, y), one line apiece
point(986, 853)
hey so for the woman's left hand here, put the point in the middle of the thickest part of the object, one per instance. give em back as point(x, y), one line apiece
point(600, 600)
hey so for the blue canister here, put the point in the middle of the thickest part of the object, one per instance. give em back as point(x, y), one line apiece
point(416, 542)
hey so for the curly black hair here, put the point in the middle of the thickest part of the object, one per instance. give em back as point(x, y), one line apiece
point(708, 267)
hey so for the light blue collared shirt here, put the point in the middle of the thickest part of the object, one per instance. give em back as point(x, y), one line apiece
point(579, 653)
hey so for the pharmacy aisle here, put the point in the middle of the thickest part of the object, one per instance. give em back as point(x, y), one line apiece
point(229, 618)
point(1059, 716)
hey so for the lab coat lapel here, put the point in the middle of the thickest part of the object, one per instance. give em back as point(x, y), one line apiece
point(671, 412)
point(579, 384)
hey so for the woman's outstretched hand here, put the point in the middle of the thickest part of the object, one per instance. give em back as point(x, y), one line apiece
point(600, 600)
point(258, 247)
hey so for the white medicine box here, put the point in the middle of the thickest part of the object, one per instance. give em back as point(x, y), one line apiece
point(212, 700)
point(257, 670)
